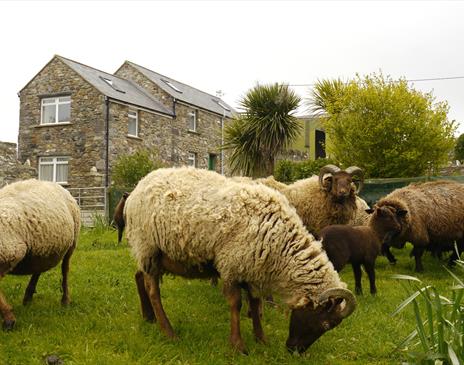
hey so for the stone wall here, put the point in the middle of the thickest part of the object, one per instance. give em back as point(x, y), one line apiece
point(11, 169)
point(207, 138)
point(154, 133)
point(82, 140)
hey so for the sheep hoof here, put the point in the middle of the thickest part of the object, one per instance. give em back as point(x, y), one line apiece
point(239, 346)
point(358, 291)
point(8, 324)
point(27, 300)
point(261, 339)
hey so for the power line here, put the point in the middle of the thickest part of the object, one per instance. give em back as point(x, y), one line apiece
point(412, 80)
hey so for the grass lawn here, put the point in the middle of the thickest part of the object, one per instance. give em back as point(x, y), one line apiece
point(103, 324)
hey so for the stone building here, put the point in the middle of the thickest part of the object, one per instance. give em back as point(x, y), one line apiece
point(76, 120)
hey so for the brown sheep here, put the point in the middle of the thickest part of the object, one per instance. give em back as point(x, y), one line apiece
point(118, 217)
point(357, 245)
point(423, 214)
point(325, 200)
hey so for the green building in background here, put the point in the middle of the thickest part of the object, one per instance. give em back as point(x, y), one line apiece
point(311, 140)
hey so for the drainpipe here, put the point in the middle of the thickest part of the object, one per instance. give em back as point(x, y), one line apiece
point(222, 141)
point(174, 102)
point(107, 141)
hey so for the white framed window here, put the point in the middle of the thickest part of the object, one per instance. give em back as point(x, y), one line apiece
point(54, 169)
point(133, 127)
point(192, 121)
point(192, 159)
point(56, 110)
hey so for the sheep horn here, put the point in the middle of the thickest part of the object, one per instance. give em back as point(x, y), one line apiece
point(350, 300)
point(356, 171)
point(327, 169)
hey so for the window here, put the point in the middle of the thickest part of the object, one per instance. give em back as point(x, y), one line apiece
point(111, 83)
point(212, 158)
point(192, 121)
point(192, 159)
point(54, 169)
point(133, 123)
point(56, 110)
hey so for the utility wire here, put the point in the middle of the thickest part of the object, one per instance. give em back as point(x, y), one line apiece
point(412, 80)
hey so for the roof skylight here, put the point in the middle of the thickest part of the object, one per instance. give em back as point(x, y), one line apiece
point(171, 85)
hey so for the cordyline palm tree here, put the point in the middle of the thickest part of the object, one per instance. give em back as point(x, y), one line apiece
point(263, 130)
point(325, 95)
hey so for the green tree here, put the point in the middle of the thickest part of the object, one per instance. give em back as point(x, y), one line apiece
point(459, 148)
point(263, 130)
point(383, 125)
point(129, 169)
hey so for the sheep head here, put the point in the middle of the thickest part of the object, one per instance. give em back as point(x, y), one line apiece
point(339, 183)
point(388, 222)
point(310, 322)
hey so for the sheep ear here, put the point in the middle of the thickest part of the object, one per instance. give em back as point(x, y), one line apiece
point(401, 212)
point(369, 211)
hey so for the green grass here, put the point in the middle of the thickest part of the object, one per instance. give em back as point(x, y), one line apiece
point(103, 324)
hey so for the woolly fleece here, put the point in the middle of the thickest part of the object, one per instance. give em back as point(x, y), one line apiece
point(314, 205)
point(435, 212)
point(37, 218)
point(249, 231)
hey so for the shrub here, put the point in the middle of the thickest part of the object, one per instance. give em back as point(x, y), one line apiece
point(438, 337)
point(459, 148)
point(290, 171)
point(129, 169)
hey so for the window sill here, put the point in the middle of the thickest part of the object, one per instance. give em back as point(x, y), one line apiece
point(193, 132)
point(53, 125)
point(134, 137)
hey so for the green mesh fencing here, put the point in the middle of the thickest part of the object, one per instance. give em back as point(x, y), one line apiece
point(374, 189)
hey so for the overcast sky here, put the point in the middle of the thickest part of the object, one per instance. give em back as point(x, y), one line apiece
point(230, 46)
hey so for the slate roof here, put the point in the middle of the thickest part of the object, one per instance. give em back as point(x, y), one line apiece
point(186, 93)
point(117, 88)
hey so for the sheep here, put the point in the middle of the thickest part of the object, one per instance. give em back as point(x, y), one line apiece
point(199, 224)
point(357, 245)
point(322, 200)
point(423, 214)
point(118, 216)
point(39, 225)
point(361, 217)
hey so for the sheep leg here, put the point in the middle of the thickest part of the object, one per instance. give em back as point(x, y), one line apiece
point(234, 297)
point(7, 313)
point(152, 286)
point(417, 253)
point(387, 253)
point(30, 290)
point(147, 309)
point(357, 277)
point(255, 314)
point(371, 274)
point(64, 272)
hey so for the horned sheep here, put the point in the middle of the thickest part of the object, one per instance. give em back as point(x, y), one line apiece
point(323, 200)
point(197, 223)
point(424, 214)
point(39, 225)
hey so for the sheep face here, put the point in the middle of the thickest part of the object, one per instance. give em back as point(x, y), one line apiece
point(307, 324)
point(388, 223)
point(310, 322)
point(341, 183)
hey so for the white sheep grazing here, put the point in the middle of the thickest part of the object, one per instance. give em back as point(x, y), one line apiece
point(39, 225)
point(197, 223)
point(323, 200)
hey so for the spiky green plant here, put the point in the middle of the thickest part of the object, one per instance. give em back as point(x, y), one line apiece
point(263, 130)
point(439, 334)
